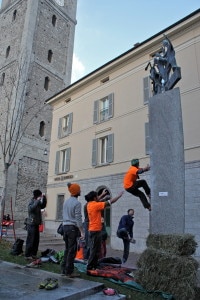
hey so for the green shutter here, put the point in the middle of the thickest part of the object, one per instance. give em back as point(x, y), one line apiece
point(96, 112)
point(60, 201)
point(60, 128)
point(110, 150)
point(147, 139)
point(146, 88)
point(57, 162)
point(94, 151)
point(110, 107)
point(68, 158)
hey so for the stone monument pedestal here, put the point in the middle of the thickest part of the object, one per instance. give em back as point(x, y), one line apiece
point(167, 163)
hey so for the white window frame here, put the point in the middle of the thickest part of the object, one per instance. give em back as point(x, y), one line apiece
point(62, 162)
point(65, 125)
point(103, 150)
point(147, 89)
point(103, 109)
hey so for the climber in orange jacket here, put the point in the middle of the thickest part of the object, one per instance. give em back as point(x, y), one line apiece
point(132, 183)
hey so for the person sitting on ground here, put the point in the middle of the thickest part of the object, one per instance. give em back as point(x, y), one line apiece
point(125, 232)
point(94, 209)
point(132, 183)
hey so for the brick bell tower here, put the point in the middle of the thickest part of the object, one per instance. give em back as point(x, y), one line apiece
point(36, 51)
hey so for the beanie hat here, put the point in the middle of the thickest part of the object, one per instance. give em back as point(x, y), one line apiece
point(90, 196)
point(37, 193)
point(74, 189)
point(135, 162)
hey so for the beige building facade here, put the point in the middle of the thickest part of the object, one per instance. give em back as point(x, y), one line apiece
point(101, 122)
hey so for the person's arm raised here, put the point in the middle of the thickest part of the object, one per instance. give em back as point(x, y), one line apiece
point(113, 200)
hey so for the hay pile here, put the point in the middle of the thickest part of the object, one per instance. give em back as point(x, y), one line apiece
point(166, 265)
point(176, 244)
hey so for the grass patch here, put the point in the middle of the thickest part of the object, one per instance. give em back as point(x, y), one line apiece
point(5, 255)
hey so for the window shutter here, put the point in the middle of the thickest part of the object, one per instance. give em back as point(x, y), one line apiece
point(110, 107)
point(57, 162)
point(68, 157)
point(60, 128)
point(147, 139)
point(109, 150)
point(70, 123)
point(60, 201)
point(94, 152)
point(96, 112)
point(146, 88)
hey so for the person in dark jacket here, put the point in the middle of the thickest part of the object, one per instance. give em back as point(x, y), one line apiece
point(125, 232)
point(34, 219)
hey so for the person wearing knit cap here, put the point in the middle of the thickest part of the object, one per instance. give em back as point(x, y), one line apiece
point(132, 183)
point(73, 228)
point(74, 189)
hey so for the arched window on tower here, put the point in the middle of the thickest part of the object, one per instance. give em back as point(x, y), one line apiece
point(14, 15)
point(7, 51)
point(42, 128)
point(50, 54)
point(54, 20)
point(46, 83)
point(2, 79)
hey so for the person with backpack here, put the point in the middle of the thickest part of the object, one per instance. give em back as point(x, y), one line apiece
point(73, 229)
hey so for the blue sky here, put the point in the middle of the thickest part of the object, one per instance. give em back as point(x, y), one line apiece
point(108, 28)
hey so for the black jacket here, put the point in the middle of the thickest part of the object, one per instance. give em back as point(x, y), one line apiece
point(127, 223)
point(34, 211)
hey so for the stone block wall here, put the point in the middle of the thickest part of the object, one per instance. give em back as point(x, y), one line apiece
point(192, 201)
point(32, 174)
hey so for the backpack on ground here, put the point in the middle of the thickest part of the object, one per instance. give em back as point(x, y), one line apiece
point(17, 247)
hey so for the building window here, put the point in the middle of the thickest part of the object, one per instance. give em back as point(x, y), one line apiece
point(46, 83)
point(62, 164)
point(14, 15)
point(147, 139)
point(54, 20)
point(147, 89)
point(65, 125)
point(103, 150)
point(2, 79)
point(42, 128)
point(103, 109)
point(50, 54)
point(60, 201)
point(7, 51)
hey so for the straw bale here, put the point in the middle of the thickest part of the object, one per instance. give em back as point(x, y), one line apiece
point(159, 270)
point(184, 244)
point(181, 289)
